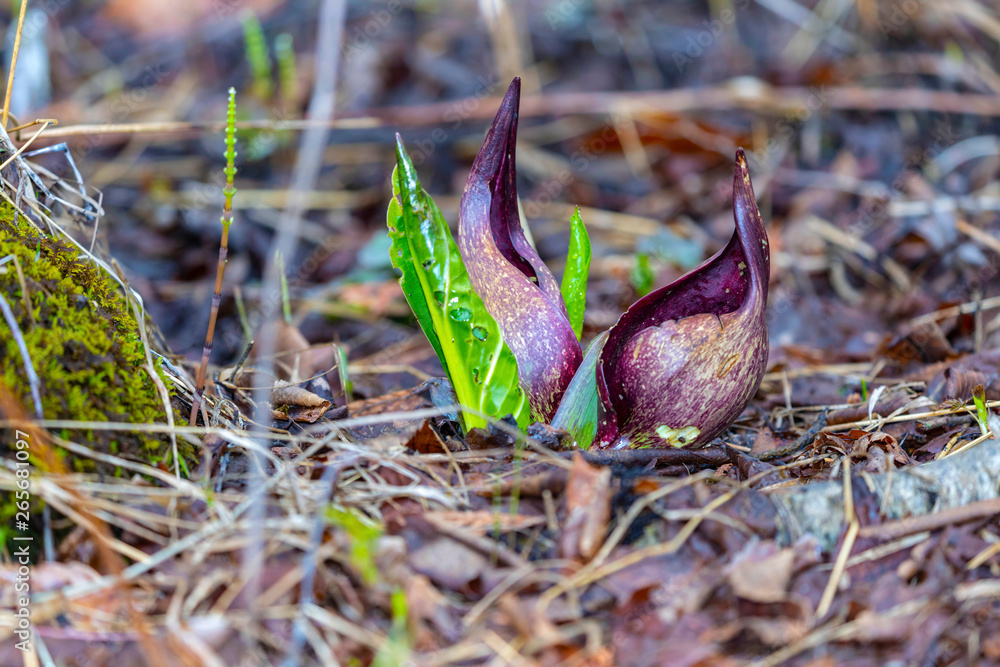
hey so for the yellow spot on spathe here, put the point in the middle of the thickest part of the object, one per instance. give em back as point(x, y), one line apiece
point(728, 364)
point(678, 437)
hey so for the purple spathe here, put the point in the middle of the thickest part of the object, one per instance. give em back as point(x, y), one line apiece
point(683, 362)
point(516, 287)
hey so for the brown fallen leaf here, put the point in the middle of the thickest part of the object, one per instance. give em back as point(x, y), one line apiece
point(295, 403)
point(426, 440)
point(449, 563)
point(761, 572)
point(588, 510)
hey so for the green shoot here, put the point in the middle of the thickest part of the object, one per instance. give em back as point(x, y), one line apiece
point(288, 75)
point(982, 416)
point(220, 269)
point(257, 56)
point(864, 389)
point(345, 377)
point(241, 308)
point(642, 276)
point(363, 537)
point(286, 302)
point(574, 282)
point(399, 643)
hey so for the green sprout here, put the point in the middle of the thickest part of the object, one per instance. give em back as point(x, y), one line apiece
point(642, 276)
point(286, 302)
point(345, 378)
point(363, 538)
point(288, 76)
point(982, 415)
point(257, 56)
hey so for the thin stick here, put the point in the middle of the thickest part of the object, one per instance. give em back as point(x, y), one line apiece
point(220, 269)
point(29, 368)
point(840, 564)
point(751, 95)
point(13, 63)
point(24, 146)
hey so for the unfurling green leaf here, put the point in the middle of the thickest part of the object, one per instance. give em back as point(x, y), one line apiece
point(574, 281)
point(642, 276)
point(577, 413)
point(479, 364)
point(982, 415)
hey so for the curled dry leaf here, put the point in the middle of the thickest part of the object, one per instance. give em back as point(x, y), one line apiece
point(588, 510)
point(295, 403)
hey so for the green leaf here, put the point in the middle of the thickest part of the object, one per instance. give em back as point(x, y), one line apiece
point(642, 276)
point(479, 364)
point(574, 282)
point(577, 412)
point(982, 415)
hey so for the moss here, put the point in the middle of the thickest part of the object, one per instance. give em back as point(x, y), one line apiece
point(84, 345)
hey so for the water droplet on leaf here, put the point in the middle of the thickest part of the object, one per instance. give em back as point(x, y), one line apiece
point(480, 333)
point(439, 297)
point(461, 314)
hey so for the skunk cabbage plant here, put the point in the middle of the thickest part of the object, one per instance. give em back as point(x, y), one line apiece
point(517, 288)
point(678, 367)
point(682, 362)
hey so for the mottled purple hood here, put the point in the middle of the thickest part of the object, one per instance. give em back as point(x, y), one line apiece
point(516, 287)
point(682, 363)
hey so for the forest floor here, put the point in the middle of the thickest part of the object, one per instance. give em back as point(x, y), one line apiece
point(359, 525)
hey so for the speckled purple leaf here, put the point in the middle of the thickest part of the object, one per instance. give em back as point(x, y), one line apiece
point(682, 362)
point(517, 288)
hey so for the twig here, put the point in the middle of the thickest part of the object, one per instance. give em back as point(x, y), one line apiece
point(13, 63)
point(27, 143)
point(916, 416)
point(161, 388)
point(803, 441)
point(918, 524)
point(708, 456)
point(752, 95)
point(29, 368)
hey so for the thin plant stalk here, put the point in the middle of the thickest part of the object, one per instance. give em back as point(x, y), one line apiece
point(227, 220)
point(13, 62)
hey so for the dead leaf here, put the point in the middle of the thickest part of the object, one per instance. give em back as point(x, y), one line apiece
point(761, 572)
point(764, 442)
point(426, 440)
point(296, 403)
point(449, 563)
point(588, 510)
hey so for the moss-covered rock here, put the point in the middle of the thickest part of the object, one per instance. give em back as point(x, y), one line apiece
point(84, 345)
